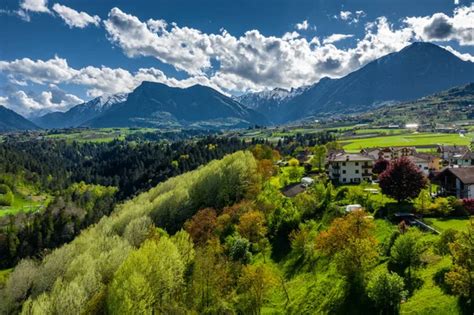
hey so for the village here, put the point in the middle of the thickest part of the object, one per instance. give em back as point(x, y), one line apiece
point(448, 170)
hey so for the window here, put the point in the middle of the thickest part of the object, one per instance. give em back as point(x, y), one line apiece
point(357, 163)
point(344, 180)
point(343, 163)
point(343, 171)
point(357, 171)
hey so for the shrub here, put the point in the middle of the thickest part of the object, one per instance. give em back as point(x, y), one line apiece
point(6, 195)
point(468, 204)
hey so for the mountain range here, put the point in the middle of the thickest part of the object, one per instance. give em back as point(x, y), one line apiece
point(11, 121)
point(417, 70)
point(78, 115)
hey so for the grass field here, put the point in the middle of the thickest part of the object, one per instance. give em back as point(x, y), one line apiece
point(99, 135)
point(444, 224)
point(417, 139)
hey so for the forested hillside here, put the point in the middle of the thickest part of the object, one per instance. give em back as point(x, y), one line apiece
point(223, 239)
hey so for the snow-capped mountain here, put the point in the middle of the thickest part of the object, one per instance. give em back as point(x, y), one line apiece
point(81, 113)
point(256, 100)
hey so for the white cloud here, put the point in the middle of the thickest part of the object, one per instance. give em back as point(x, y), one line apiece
point(225, 62)
point(46, 101)
point(456, 2)
point(440, 27)
point(40, 6)
point(351, 17)
point(74, 18)
point(336, 37)
point(465, 56)
point(97, 81)
point(302, 26)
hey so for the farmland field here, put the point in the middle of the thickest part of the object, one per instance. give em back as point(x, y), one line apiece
point(98, 135)
point(417, 139)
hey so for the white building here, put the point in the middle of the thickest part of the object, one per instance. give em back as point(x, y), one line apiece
point(347, 168)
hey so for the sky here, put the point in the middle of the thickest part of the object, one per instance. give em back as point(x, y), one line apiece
point(57, 54)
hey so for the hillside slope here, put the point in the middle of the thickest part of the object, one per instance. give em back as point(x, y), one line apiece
point(11, 121)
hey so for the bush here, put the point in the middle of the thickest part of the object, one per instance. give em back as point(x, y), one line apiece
point(6, 195)
point(385, 289)
point(468, 204)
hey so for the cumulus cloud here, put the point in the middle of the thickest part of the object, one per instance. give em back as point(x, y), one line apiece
point(336, 37)
point(441, 27)
point(252, 61)
point(97, 80)
point(40, 6)
point(74, 18)
point(228, 63)
point(46, 101)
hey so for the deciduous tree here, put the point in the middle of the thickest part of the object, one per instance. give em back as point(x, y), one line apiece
point(402, 180)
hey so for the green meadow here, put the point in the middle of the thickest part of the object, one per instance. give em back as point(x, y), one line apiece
point(413, 139)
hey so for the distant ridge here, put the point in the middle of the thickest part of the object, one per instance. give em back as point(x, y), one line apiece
point(158, 105)
point(417, 70)
point(11, 121)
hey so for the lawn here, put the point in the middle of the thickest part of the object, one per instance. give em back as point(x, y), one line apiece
point(459, 224)
point(417, 139)
point(27, 201)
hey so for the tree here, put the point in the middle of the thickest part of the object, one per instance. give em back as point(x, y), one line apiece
point(319, 157)
point(350, 242)
point(148, 280)
point(461, 276)
point(385, 289)
point(202, 226)
point(252, 226)
point(256, 282)
point(402, 180)
point(380, 166)
point(210, 278)
point(406, 251)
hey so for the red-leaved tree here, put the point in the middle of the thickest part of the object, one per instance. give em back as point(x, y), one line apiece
point(402, 180)
point(380, 166)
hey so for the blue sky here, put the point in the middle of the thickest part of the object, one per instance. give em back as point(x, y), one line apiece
point(54, 55)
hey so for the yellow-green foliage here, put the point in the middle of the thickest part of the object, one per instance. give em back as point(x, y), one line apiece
point(75, 276)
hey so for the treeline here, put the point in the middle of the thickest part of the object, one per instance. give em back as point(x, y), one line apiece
point(86, 181)
point(29, 234)
point(131, 167)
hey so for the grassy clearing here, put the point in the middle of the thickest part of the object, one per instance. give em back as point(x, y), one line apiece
point(430, 298)
point(26, 204)
point(417, 139)
point(459, 224)
point(27, 198)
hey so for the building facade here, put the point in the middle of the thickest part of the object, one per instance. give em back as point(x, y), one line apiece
point(347, 168)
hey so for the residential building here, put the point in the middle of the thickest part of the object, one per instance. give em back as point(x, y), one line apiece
point(389, 153)
point(467, 159)
point(452, 152)
point(346, 168)
point(456, 181)
point(426, 162)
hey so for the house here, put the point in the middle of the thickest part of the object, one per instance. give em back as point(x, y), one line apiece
point(426, 162)
point(389, 153)
point(450, 152)
point(398, 152)
point(467, 159)
point(350, 168)
point(456, 181)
